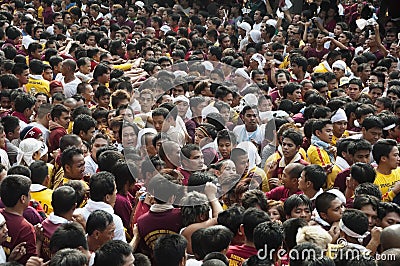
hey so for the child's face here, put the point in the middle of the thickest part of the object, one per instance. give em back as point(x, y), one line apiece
point(335, 211)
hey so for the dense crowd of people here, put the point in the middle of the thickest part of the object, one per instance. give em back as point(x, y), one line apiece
point(189, 132)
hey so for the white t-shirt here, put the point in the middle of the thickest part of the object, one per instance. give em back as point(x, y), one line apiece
point(70, 87)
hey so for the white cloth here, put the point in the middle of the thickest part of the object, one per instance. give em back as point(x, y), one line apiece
point(37, 187)
point(3, 258)
point(91, 206)
point(342, 163)
point(4, 159)
point(340, 115)
point(90, 165)
point(70, 87)
point(55, 219)
point(252, 153)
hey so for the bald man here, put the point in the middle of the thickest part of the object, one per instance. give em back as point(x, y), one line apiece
point(390, 257)
point(390, 237)
point(290, 176)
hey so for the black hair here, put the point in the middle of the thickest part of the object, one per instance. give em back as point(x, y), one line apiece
point(98, 220)
point(39, 172)
point(124, 172)
point(368, 189)
point(169, 250)
point(68, 257)
point(323, 201)
point(12, 188)
point(363, 173)
point(290, 229)
point(268, 234)
point(69, 235)
point(251, 218)
point(382, 148)
point(355, 220)
point(68, 154)
point(315, 174)
point(83, 123)
point(112, 253)
point(63, 199)
point(107, 157)
point(23, 102)
point(364, 200)
point(101, 184)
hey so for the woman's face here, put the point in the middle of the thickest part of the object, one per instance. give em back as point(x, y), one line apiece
point(274, 214)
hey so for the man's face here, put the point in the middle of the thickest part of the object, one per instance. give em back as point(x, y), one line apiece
point(250, 118)
point(98, 143)
point(107, 234)
point(287, 180)
point(326, 133)
point(242, 164)
point(129, 137)
point(5, 102)
point(362, 156)
point(281, 82)
point(86, 68)
point(77, 168)
point(23, 78)
point(390, 219)
point(339, 128)
point(371, 214)
point(289, 149)
point(128, 260)
point(393, 158)
point(302, 211)
point(372, 135)
point(195, 162)
point(226, 43)
point(87, 136)
point(335, 211)
point(89, 93)
point(3, 232)
point(146, 101)
point(375, 93)
point(158, 122)
point(37, 54)
point(392, 96)
point(63, 120)
point(353, 91)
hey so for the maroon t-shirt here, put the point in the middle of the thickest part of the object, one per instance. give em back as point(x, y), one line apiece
point(48, 230)
point(153, 225)
point(280, 193)
point(19, 230)
point(123, 208)
point(314, 53)
point(340, 181)
point(237, 254)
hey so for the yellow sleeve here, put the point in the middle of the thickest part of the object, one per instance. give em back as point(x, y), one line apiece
point(315, 157)
point(389, 196)
point(332, 176)
point(303, 154)
point(124, 67)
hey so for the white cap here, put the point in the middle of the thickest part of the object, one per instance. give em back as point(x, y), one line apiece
point(339, 64)
point(180, 73)
point(208, 110)
point(208, 65)
point(28, 147)
point(241, 72)
point(139, 4)
point(340, 115)
point(260, 60)
point(271, 22)
point(244, 25)
point(165, 28)
point(255, 35)
point(181, 98)
point(142, 132)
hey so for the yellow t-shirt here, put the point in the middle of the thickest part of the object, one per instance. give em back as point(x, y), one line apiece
point(44, 197)
point(386, 182)
point(335, 139)
point(318, 156)
point(37, 85)
point(330, 180)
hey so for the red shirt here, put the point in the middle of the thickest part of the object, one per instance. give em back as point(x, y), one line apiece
point(19, 230)
point(237, 254)
point(280, 193)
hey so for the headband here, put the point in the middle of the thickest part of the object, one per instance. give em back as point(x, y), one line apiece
point(202, 129)
point(351, 233)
